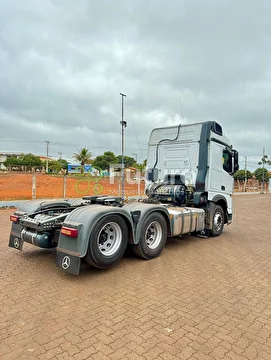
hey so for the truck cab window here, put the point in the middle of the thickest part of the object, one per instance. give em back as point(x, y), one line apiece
point(227, 161)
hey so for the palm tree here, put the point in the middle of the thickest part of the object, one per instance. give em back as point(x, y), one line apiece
point(83, 156)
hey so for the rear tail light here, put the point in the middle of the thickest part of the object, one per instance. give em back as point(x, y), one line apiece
point(14, 218)
point(69, 231)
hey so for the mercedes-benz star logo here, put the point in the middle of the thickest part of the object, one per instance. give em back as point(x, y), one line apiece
point(66, 262)
point(16, 243)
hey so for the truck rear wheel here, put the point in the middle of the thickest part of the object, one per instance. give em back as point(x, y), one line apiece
point(217, 221)
point(108, 241)
point(152, 238)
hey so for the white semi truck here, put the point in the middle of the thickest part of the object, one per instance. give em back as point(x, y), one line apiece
point(189, 187)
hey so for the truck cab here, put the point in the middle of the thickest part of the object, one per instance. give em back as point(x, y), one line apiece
point(202, 156)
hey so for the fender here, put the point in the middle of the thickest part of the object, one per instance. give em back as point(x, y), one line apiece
point(219, 198)
point(222, 201)
point(84, 219)
point(143, 210)
point(31, 206)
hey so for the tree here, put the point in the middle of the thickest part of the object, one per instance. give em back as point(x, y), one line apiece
point(142, 166)
point(242, 175)
point(265, 161)
point(24, 161)
point(128, 161)
point(58, 165)
point(54, 166)
point(261, 174)
point(83, 156)
point(11, 162)
point(63, 163)
point(103, 161)
point(30, 161)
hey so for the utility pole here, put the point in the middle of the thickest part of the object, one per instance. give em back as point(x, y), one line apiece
point(245, 173)
point(47, 154)
point(123, 125)
point(263, 169)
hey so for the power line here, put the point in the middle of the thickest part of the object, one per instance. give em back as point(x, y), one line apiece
point(65, 144)
point(52, 121)
point(68, 124)
point(139, 146)
point(21, 141)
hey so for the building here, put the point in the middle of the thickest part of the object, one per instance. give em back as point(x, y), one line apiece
point(76, 168)
point(5, 155)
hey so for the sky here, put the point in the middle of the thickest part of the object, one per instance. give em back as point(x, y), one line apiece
point(63, 65)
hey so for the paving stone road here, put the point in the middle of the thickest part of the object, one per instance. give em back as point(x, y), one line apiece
point(201, 299)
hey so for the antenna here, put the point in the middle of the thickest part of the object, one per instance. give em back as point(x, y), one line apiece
point(123, 125)
point(185, 133)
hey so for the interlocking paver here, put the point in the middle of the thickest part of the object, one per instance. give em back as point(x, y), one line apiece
point(202, 299)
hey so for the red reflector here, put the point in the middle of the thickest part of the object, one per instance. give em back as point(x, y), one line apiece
point(14, 218)
point(69, 231)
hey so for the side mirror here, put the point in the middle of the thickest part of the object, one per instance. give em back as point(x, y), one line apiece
point(235, 161)
point(152, 174)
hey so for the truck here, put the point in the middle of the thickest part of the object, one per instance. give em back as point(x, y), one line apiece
point(188, 190)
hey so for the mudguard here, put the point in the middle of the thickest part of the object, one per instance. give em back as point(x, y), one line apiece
point(31, 206)
point(27, 207)
point(140, 210)
point(225, 203)
point(84, 219)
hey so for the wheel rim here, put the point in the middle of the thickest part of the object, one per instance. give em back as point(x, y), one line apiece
point(218, 221)
point(153, 234)
point(109, 238)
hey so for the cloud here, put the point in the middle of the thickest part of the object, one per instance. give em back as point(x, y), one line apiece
point(63, 65)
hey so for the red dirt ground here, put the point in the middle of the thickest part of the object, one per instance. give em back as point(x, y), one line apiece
point(20, 187)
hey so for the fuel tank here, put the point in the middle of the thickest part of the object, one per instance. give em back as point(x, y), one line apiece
point(185, 220)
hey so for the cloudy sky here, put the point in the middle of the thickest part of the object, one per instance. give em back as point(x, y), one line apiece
point(64, 63)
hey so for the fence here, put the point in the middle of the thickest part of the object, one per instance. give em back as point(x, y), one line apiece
point(251, 185)
point(26, 186)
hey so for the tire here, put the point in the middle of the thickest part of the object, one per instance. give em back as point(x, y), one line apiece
point(217, 221)
point(107, 242)
point(152, 238)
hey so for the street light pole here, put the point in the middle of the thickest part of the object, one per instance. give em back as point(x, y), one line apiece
point(47, 154)
point(123, 125)
point(245, 173)
point(263, 169)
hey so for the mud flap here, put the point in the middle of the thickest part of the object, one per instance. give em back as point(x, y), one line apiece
point(16, 242)
point(203, 234)
point(68, 263)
